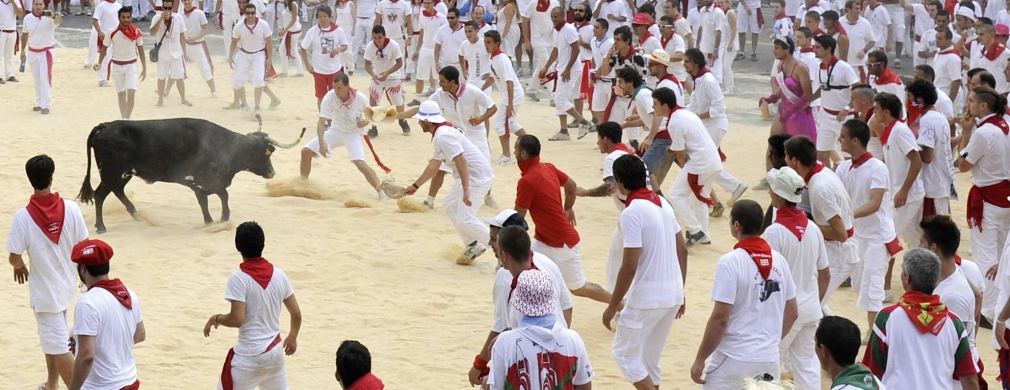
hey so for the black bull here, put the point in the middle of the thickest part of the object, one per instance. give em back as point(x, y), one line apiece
point(193, 152)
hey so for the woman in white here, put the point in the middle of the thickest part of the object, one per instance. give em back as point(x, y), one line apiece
point(345, 12)
point(728, 25)
point(508, 25)
point(415, 15)
point(290, 35)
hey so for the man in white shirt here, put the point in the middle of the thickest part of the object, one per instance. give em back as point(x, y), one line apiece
point(448, 39)
point(427, 66)
point(384, 62)
point(835, 78)
point(925, 17)
point(503, 75)
point(228, 14)
point(256, 291)
point(927, 46)
point(196, 49)
point(992, 56)
point(127, 43)
point(168, 28)
point(395, 17)
point(674, 46)
point(934, 133)
point(603, 83)
point(38, 37)
point(366, 12)
point(615, 12)
point(711, 35)
point(861, 38)
point(474, 58)
point(538, 33)
point(837, 348)
point(10, 12)
point(801, 243)
point(104, 20)
point(470, 167)
point(326, 41)
point(880, 22)
point(250, 56)
point(47, 230)
point(568, 79)
point(901, 155)
point(755, 306)
point(947, 65)
point(748, 20)
point(107, 322)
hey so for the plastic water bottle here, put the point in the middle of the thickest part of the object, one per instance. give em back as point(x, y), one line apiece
point(23, 64)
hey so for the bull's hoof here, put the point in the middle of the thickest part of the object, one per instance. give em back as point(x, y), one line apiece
point(100, 229)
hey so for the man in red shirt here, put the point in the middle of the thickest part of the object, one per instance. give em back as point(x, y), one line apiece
point(537, 192)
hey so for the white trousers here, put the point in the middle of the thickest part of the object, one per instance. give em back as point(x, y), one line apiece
point(42, 74)
point(568, 260)
point(841, 264)
point(693, 212)
point(868, 278)
point(615, 257)
point(7, 43)
point(296, 56)
point(103, 68)
point(727, 72)
point(726, 373)
point(798, 355)
point(565, 93)
point(906, 223)
point(199, 55)
point(716, 66)
point(265, 371)
point(362, 34)
point(227, 24)
point(725, 180)
point(987, 249)
point(463, 217)
point(639, 342)
point(540, 55)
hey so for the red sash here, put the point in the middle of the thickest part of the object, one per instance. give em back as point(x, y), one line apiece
point(227, 381)
point(117, 289)
point(928, 207)
point(692, 181)
point(134, 386)
point(643, 193)
point(995, 194)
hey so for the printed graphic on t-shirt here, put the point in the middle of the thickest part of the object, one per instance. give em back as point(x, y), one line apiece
point(767, 287)
point(327, 44)
point(556, 371)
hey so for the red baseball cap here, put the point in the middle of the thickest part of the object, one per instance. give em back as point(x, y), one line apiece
point(1002, 30)
point(642, 19)
point(91, 252)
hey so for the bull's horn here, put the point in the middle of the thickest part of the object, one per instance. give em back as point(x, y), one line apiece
point(259, 120)
point(287, 146)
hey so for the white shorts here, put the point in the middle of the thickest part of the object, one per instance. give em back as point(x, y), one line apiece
point(426, 66)
point(906, 222)
point(640, 340)
point(747, 23)
point(724, 372)
point(199, 55)
point(869, 275)
point(124, 76)
point(53, 332)
point(171, 68)
point(249, 67)
point(351, 141)
point(798, 353)
point(511, 124)
point(602, 91)
point(897, 14)
point(565, 94)
point(828, 131)
point(392, 89)
point(942, 206)
point(264, 371)
point(569, 261)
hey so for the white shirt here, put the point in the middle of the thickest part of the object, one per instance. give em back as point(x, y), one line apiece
point(972, 273)
point(687, 133)
point(955, 293)
point(989, 151)
point(933, 356)
point(503, 72)
point(172, 43)
point(99, 314)
point(947, 66)
point(562, 41)
point(53, 281)
point(507, 317)
point(643, 105)
point(943, 104)
point(366, 8)
point(262, 309)
point(813, 69)
point(121, 47)
point(657, 282)
point(344, 116)
point(469, 101)
point(541, 26)
point(828, 198)
point(838, 75)
point(449, 40)
point(106, 13)
point(524, 350)
point(394, 17)
point(1003, 17)
point(995, 66)
point(708, 97)
point(880, 21)
point(608, 174)
point(806, 257)
point(478, 62)
point(429, 26)
point(920, 12)
point(194, 24)
point(449, 143)
point(860, 34)
point(386, 59)
point(755, 323)
point(601, 55)
point(251, 39)
point(937, 176)
point(585, 36)
point(41, 31)
point(8, 19)
point(611, 10)
point(876, 228)
point(229, 7)
point(900, 143)
point(678, 92)
point(675, 45)
point(711, 21)
point(319, 43)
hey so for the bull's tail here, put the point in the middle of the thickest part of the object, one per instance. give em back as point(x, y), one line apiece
point(87, 193)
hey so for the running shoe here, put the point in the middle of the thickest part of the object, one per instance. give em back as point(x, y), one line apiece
point(560, 136)
point(737, 193)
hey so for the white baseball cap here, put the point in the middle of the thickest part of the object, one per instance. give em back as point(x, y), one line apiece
point(786, 183)
point(507, 217)
point(429, 111)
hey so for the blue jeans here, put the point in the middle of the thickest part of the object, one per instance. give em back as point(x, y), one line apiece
point(654, 155)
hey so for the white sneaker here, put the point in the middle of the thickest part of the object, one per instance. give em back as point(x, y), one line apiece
point(383, 196)
point(475, 250)
point(737, 193)
point(489, 202)
point(585, 128)
point(103, 83)
point(559, 136)
point(888, 296)
point(506, 160)
point(430, 205)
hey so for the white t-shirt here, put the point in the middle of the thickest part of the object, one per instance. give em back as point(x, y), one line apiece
point(429, 26)
point(711, 21)
point(262, 309)
point(955, 293)
point(53, 281)
point(122, 48)
point(879, 20)
point(478, 61)
point(755, 323)
point(937, 176)
point(989, 151)
point(172, 44)
point(943, 104)
point(601, 55)
point(541, 25)
point(860, 34)
point(876, 228)
point(366, 8)
point(947, 65)
point(449, 143)
point(507, 317)
point(834, 83)
point(386, 59)
point(449, 40)
point(611, 11)
point(542, 357)
point(920, 13)
point(608, 173)
point(344, 115)
point(900, 143)
point(8, 19)
point(933, 356)
point(503, 72)
point(563, 40)
point(653, 229)
point(828, 198)
point(394, 17)
point(675, 45)
point(972, 273)
point(585, 36)
point(319, 43)
point(997, 66)
point(194, 24)
point(687, 133)
point(107, 15)
point(251, 39)
point(41, 31)
point(98, 313)
point(708, 97)
point(806, 258)
point(468, 102)
point(643, 105)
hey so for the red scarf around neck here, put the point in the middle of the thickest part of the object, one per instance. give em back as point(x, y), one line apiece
point(951, 51)
point(543, 5)
point(813, 171)
point(856, 162)
point(997, 49)
point(701, 72)
point(887, 132)
point(958, 259)
point(259, 269)
point(665, 41)
point(807, 50)
point(189, 11)
point(47, 212)
point(379, 50)
point(622, 147)
point(643, 193)
point(439, 126)
point(646, 38)
point(133, 33)
point(831, 63)
point(925, 311)
point(888, 77)
point(760, 252)
point(558, 27)
point(117, 289)
point(432, 14)
point(631, 53)
point(793, 219)
point(781, 16)
point(996, 120)
point(332, 26)
point(869, 114)
point(515, 279)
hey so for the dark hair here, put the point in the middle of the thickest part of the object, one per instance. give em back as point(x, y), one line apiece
point(937, 4)
point(942, 231)
point(924, 90)
point(749, 215)
point(827, 42)
point(944, 32)
point(696, 57)
point(530, 144)
point(97, 270)
point(785, 43)
point(649, 9)
point(674, 4)
point(967, 3)
point(802, 148)
point(630, 172)
point(623, 33)
point(453, 10)
point(472, 24)
point(630, 75)
point(987, 79)
point(494, 35)
point(985, 23)
point(806, 31)
point(515, 220)
point(342, 78)
point(40, 171)
point(665, 96)
point(850, 4)
point(603, 23)
point(514, 241)
point(666, 19)
point(127, 10)
point(927, 71)
point(776, 144)
point(831, 15)
point(813, 15)
point(780, 2)
point(325, 9)
point(841, 337)
point(249, 240)
point(993, 99)
point(353, 362)
point(450, 73)
point(249, 5)
point(879, 56)
point(858, 130)
point(890, 103)
point(611, 131)
point(379, 30)
point(167, 1)
point(973, 71)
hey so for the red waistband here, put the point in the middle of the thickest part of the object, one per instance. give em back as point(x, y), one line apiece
point(252, 52)
point(134, 386)
point(195, 43)
point(124, 62)
point(9, 31)
point(848, 233)
point(832, 112)
point(45, 49)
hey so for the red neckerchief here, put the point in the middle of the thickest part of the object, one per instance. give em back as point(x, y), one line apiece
point(352, 95)
point(887, 132)
point(515, 279)
point(440, 125)
point(995, 120)
point(117, 289)
point(333, 26)
point(158, 8)
point(856, 162)
point(676, 18)
point(631, 53)
point(874, 7)
point(246, 24)
point(670, 77)
point(850, 22)
point(133, 33)
point(379, 50)
point(701, 72)
point(497, 52)
point(793, 219)
point(869, 114)
point(577, 26)
point(914, 113)
point(259, 269)
point(459, 93)
point(47, 212)
point(645, 38)
point(807, 50)
point(760, 252)
point(782, 16)
point(369, 381)
point(813, 171)
point(622, 147)
point(665, 41)
point(991, 55)
point(543, 5)
point(643, 193)
point(951, 51)
point(527, 164)
point(558, 28)
point(819, 32)
point(188, 11)
point(831, 63)
point(432, 14)
point(925, 311)
point(888, 77)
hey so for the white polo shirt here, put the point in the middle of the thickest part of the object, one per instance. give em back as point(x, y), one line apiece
point(838, 74)
point(651, 228)
point(947, 65)
point(251, 39)
point(503, 72)
point(687, 133)
point(469, 101)
point(393, 16)
point(41, 31)
point(989, 151)
point(755, 322)
point(937, 176)
point(877, 228)
point(507, 317)
point(955, 293)
point(450, 41)
point(343, 116)
point(879, 20)
point(806, 257)
point(860, 33)
point(386, 59)
point(122, 48)
point(708, 97)
point(478, 62)
point(673, 46)
point(319, 43)
point(172, 43)
point(601, 55)
point(53, 281)
point(562, 41)
point(429, 26)
point(541, 25)
point(449, 143)
point(99, 314)
point(900, 143)
point(711, 21)
point(262, 309)
point(194, 24)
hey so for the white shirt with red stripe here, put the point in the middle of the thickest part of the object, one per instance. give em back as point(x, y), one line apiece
point(806, 256)
point(122, 48)
point(429, 26)
point(262, 309)
point(385, 59)
point(871, 175)
point(468, 101)
point(899, 144)
point(689, 134)
point(673, 46)
point(251, 39)
point(995, 59)
point(41, 31)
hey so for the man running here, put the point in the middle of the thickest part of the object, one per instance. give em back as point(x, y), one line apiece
point(503, 75)
point(568, 79)
point(326, 41)
point(384, 62)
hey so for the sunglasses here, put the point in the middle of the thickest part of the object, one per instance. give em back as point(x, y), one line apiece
point(666, 26)
point(253, 13)
point(872, 63)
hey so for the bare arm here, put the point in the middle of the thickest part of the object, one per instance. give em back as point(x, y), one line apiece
point(606, 189)
point(835, 230)
point(84, 361)
point(234, 319)
point(871, 206)
point(926, 154)
point(715, 330)
point(464, 176)
point(570, 188)
point(140, 334)
point(823, 279)
point(291, 342)
point(790, 316)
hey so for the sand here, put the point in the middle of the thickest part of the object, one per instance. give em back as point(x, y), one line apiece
point(361, 268)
